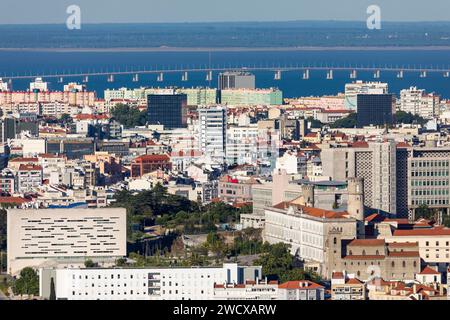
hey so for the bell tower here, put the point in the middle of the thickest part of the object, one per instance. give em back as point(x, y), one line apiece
point(355, 205)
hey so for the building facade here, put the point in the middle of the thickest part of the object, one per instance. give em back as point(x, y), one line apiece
point(39, 237)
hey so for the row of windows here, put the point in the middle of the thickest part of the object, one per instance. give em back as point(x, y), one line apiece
point(427, 164)
point(427, 243)
point(429, 202)
point(441, 173)
point(430, 192)
point(419, 183)
point(112, 293)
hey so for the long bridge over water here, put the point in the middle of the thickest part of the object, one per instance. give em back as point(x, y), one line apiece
point(304, 70)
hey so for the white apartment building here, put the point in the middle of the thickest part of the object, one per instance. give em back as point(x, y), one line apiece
point(39, 85)
point(45, 237)
point(250, 290)
point(195, 283)
point(212, 128)
point(361, 87)
point(241, 145)
point(418, 102)
point(3, 85)
point(307, 230)
point(29, 177)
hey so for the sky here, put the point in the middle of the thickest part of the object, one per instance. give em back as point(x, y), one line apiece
point(141, 11)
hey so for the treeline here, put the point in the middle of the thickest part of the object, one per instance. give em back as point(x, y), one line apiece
point(401, 117)
point(157, 206)
point(129, 116)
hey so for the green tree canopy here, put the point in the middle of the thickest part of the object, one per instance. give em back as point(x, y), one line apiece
point(347, 122)
point(278, 264)
point(409, 118)
point(28, 283)
point(129, 116)
point(315, 124)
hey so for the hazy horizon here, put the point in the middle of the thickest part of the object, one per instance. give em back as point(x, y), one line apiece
point(205, 11)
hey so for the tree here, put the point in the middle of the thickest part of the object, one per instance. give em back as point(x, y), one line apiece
point(90, 264)
point(423, 211)
point(66, 119)
point(121, 262)
point(278, 264)
point(129, 116)
point(409, 118)
point(315, 124)
point(52, 290)
point(347, 122)
point(28, 283)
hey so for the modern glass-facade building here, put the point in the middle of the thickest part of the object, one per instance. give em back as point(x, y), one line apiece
point(374, 109)
point(169, 110)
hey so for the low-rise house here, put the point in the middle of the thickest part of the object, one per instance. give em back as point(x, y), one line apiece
point(301, 290)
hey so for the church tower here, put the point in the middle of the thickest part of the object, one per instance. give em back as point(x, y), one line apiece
point(355, 205)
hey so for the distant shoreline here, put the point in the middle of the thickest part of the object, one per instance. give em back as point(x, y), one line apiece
point(230, 49)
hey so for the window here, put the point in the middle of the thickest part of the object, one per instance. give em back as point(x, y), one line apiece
point(393, 264)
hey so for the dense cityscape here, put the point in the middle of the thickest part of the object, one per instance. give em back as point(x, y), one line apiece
point(224, 192)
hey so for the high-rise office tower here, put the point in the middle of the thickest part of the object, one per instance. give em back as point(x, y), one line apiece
point(374, 109)
point(169, 110)
point(375, 163)
point(236, 80)
point(212, 131)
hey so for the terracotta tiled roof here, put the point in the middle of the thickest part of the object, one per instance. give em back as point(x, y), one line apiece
point(29, 167)
point(337, 275)
point(404, 254)
point(359, 144)
point(24, 160)
point(315, 212)
point(367, 242)
point(402, 244)
point(16, 200)
point(153, 157)
point(436, 231)
point(428, 270)
point(301, 285)
point(403, 145)
point(353, 281)
point(364, 257)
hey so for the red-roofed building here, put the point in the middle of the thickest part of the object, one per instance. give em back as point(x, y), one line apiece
point(29, 177)
point(429, 276)
point(346, 288)
point(149, 163)
point(300, 290)
point(434, 243)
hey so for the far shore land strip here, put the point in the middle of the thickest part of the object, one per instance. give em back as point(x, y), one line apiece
point(232, 49)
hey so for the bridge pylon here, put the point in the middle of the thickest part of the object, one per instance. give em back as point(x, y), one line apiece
point(306, 74)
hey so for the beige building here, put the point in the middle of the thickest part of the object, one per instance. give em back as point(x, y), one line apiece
point(433, 244)
point(345, 288)
point(369, 258)
point(309, 232)
point(55, 237)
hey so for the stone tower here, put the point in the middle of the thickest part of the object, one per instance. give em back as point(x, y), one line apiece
point(355, 205)
point(308, 194)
